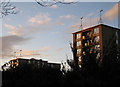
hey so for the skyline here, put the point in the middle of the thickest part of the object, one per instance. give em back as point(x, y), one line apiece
point(34, 32)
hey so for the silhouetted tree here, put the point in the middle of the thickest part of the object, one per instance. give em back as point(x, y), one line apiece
point(6, 8)
point(76, 67)
point(47, 3)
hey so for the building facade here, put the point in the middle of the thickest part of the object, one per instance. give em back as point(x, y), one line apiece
point(102, 40)
point(33, 63)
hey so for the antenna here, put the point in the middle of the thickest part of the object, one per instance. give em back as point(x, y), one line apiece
point(81, 26)
point(100, 20)
point(20, 52)
point(14, 54)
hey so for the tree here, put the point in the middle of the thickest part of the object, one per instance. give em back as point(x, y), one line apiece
point(75, 57)
point(6, 8)
point(48, 3)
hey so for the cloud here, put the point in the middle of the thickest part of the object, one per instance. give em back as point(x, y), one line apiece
point(59, 49)
point(59, 22)
point(30, 53)
point(54, 6)
point(112, 14)
point(67, 16)
point(41, 19)
point(44, 48)
point(38, 52)
point(9, 26)
point(89, 20)
point(8, 43)
point(39, 23)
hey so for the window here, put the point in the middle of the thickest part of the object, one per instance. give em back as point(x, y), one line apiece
point(96, 31)
point(88, 42)
point(89, 34)
point(83, 37)
point(78, 51)
point(96, 39)
point(85, 44)
point(80, 59)
point(83, 52)
point(78, 35)
point(79, 43)
point(97, 47)
point(17, 64)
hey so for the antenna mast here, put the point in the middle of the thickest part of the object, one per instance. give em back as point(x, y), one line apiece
point(14, 54)
point(81, 26)
point(20, 52)
point(100, 20)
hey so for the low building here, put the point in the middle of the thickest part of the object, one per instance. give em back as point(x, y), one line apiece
point(33, 63)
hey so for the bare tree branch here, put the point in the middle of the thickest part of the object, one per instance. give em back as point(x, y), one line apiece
point(47, 3)
point(6, 8)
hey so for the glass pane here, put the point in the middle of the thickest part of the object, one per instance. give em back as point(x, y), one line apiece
point(96, 30)
point(97, 47)
point(79, 43)
point(80, 59)
point(96, 39)
point(78, 35)
point(78, 51)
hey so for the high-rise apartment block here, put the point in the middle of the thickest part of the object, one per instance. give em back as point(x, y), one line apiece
point(101, 39)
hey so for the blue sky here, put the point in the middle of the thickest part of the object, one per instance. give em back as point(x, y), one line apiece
point(45, 32)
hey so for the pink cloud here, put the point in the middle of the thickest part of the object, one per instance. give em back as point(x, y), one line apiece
point(59, 49)
point(67, 16)
point(111, 14)
point(40, 19)
point(54, 6)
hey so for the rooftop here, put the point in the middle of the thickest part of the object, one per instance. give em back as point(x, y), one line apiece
point(94, 27)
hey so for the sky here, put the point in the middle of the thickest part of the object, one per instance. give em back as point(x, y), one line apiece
point(45, 32)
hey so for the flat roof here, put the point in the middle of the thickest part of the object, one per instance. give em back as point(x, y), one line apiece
point(94, 27)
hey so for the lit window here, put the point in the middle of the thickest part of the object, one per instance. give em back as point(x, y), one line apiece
point(89, 34)
point(83, 52)
point(78, 51)
point(96, 31)
point(80, 59)
point(79, 43)
point(85, 44)
point(78, 35)
point(83, 37)
point(80, 66)
point(88, 43)
point(17, 64)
